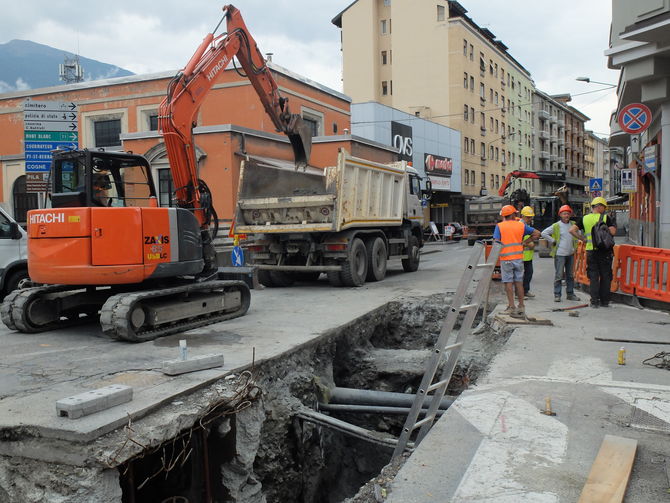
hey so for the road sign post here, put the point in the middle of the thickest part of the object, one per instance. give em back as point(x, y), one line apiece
point(48, 126)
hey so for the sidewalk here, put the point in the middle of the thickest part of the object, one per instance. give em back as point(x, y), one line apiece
point(493, 445)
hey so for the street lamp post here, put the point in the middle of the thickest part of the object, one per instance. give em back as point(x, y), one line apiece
point(589, 81)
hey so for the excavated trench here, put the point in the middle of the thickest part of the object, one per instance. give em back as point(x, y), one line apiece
point(250, 443)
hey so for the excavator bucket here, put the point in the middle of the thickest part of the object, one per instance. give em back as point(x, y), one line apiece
point(300, 135)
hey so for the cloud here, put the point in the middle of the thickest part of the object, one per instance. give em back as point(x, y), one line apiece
point(19, 85)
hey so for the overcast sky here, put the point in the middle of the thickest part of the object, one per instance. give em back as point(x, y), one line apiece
point(555, 42)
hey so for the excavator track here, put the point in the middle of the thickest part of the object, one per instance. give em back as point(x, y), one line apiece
point(146, 315)
point(38, 309)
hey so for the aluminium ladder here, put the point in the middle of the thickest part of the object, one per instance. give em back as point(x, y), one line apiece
point(454, 349)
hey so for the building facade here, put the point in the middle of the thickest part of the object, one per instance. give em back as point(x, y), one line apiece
point(121, 114)
point(639, 47)
point(433, 149)
point(432, 61)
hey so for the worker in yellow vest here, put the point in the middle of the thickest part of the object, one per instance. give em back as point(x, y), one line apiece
point(510, 233)
point(598, 262)
point(527, 214)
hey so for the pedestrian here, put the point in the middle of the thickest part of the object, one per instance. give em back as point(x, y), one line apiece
point(563, 246)
point(510, 232)
point(598, 261)
point(527, 214)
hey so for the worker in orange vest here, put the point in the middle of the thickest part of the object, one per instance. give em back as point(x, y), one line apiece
point(510, 232)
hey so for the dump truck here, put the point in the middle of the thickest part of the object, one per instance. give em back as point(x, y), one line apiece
point(345, 220)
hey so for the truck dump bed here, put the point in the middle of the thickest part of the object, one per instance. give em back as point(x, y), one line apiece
point(355, 193)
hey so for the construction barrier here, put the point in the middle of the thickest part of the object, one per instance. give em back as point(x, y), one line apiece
point(636, 270)
point(645, 272)
point(496, 269)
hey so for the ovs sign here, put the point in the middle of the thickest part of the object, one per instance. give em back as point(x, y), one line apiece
point(401, 139)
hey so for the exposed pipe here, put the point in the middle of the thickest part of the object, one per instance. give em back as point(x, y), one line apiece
point(371, 409)
point(352, 396)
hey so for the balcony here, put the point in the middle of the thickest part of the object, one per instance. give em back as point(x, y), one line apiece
point(553, 157)
point(561, 159)
point(544, 115)
point(483, 130)
point(561, 123)
point(503, 84)
point(580, 132)
point(553, 119)
point(482, 101)
point(544, 155)
point(561, 141)
point(544, 135)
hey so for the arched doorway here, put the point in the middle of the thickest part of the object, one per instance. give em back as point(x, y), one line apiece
point(23, 201)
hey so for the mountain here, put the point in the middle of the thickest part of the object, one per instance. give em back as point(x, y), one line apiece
point(28, 65)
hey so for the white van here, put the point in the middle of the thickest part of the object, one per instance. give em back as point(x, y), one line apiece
point(13, 255)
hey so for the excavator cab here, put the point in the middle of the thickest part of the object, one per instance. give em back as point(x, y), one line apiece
point(85, 178)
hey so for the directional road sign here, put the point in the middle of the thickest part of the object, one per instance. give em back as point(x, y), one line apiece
point(48, 126)
point(595, 184)
point(634, 118)
point(237, 256)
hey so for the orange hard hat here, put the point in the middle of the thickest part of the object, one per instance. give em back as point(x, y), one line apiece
point(507, 210)
point(563, 208)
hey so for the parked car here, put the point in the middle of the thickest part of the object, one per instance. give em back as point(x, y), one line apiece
point(13, 255)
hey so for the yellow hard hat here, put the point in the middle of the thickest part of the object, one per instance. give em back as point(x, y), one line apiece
point(599, 200)
point(527, 211)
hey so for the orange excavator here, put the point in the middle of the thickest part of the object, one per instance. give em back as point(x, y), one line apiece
point(106, 249)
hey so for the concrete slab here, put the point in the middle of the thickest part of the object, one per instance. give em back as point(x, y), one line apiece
point(38, 369)
point(494, 445)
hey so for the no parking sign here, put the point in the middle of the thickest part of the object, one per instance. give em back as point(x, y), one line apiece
point(634, 118)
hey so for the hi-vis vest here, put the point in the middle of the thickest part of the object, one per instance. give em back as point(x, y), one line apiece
point(556, 236)
point(589, 221)
point(528, 253)
point(511, 236)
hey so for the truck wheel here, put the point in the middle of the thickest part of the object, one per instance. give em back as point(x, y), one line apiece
point(355, 268)
point(411, 263)
point(334, 278)
point(376, 249)
point(282, 278)
point(16, 280)
point(471, 242)
point(264, 278)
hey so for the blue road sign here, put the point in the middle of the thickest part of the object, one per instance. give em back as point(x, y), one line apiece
point(237, 256)
point(595, 184)
point(35, 166)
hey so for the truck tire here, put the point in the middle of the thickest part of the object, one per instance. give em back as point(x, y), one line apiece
point(411, 263)
point(471, 242)
point(334, 278)
point(355, 268)
point(264, 278)
point(282, 278)
point(16, 280)
point(377, 256)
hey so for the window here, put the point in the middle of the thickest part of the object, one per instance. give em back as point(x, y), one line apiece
point(492, 180)
point(472, 52)
point(165, 188)
point(465, 47)
point(440, 12)
point(495, 95)
point(497, 130)
point(466, 145)
point(467, 177)
point(384, 58)
point(314, 120)
point(391, 87)
point(482, 117)
point(491, 123)
point(465, 80)
point(472, 115)
point(491, 66)
point(472, 83)
point(497, 154)
point(385, 88)
point(482, 63)
point(23, 201)
point(107, 133)
point(383, 27)
point(495, 70)
point(491, 95)
point(482, 150)
point(465, 113)
point(482, 90)
point(483, 178)
point(472, 146)
point(491, 151)
point(153, 122)
point(497, 180)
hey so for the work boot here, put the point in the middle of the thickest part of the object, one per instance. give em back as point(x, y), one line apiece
point(572, 296)
point(508, 311)
point(519, 314)
point(529, 295)
point(557, 298)
point(595, 304)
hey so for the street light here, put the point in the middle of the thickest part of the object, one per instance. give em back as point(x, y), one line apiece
point(589, 81)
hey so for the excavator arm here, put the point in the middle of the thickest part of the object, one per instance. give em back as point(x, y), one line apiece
point(555, 176)
point(189, 88)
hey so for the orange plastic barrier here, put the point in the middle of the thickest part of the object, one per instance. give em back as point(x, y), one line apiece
point(645, 271)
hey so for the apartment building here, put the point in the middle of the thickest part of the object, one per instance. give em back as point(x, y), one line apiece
point(431, 60)
point(596, 164)
point(558, 145)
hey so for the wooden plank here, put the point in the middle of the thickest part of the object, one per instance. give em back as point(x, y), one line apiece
point(610, 471)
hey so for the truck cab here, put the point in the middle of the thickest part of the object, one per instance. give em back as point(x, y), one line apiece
point(13, 254)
